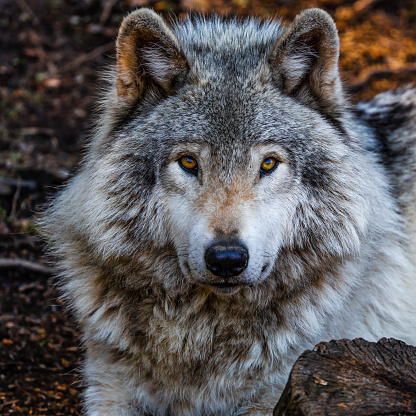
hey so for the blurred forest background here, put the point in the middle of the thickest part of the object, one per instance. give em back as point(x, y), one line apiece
point(51, 55)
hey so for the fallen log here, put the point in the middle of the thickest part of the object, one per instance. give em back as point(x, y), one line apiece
point(352, 377)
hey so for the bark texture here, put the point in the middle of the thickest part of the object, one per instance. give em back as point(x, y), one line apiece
point(352, 377)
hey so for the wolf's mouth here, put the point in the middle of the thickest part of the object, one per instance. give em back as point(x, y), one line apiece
point(226, 287)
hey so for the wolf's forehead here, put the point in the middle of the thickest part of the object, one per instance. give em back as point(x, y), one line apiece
point(227, 44)
point(229, 119)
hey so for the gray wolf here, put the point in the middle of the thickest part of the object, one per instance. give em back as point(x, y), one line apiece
point(233, 210)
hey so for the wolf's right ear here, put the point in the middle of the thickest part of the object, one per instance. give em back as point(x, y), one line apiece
point(149, 57)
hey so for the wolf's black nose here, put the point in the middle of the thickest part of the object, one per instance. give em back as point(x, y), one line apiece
point(226, 259)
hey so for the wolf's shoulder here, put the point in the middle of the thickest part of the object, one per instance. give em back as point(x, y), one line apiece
point(392, 117)
point(391, 111)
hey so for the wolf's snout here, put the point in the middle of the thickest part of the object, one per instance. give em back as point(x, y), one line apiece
point(226, 260)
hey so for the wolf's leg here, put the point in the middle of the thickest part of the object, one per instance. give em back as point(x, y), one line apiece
point(105, 400)
point(108, 393)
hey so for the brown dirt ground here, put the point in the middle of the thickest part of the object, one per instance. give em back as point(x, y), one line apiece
point(50, 57)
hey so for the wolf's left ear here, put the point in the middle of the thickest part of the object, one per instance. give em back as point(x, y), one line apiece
point(304, 62)
point(149, 57)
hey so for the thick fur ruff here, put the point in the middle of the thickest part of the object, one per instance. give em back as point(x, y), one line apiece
point(330, 232)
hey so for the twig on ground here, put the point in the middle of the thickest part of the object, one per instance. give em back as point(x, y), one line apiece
point(109, 4)
point(26, 264)
point(32, 131)
point(48, 177)
point(362, 5)
point(6, 185)
point(370, 73)
point(16, 197)
point(108, 47)
point(26, 9)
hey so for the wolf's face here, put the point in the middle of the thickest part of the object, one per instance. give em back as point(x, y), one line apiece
point(229, 211)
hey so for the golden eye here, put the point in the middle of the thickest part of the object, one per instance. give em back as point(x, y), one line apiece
point(189, 164)
point(268, 165)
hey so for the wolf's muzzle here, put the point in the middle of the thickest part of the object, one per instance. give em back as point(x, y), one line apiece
point(224, 259)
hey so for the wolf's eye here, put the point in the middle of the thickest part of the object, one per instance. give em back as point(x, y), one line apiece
point(189, 164)
point(268, 165)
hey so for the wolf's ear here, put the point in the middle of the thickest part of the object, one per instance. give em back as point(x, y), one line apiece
point(149, 57)
point(304, 62)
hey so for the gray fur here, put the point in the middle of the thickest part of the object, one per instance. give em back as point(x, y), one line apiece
point(328, 231)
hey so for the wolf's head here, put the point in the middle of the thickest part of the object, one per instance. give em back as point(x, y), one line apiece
point(225, 147)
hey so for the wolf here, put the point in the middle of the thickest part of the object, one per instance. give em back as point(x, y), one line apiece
point(232, 210)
